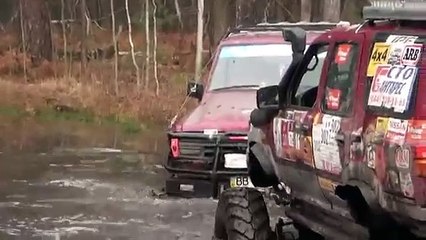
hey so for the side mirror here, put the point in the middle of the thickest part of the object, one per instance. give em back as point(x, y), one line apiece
point(195, 90)
point(267, 98)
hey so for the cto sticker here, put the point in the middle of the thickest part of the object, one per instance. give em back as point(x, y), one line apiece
point(379, 55)
point(411, 54)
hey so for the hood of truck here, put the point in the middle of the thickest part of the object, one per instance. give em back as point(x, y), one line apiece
point(223, 110)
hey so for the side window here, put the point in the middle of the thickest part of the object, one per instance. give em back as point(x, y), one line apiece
point(305, 94)
point(338, 97)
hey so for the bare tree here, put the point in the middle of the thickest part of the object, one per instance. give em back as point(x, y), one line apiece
point(114, 42)
point(147, 57)
point(178, 13)
point(64, 36)
point(138, 81)
point(306, 9)
point(154, 22)
point(199, 52)
point(331, 10)
point(83, 46)
point(24, 50)
point(36, 23)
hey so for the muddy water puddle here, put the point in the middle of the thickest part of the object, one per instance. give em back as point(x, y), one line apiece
point(70, 181)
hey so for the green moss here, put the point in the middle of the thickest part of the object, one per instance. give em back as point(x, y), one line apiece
point(127, 125)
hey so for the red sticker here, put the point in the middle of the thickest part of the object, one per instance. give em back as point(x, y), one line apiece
point(342, 53)
point(333, 99)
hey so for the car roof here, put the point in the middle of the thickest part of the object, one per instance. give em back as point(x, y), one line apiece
point(271, 33)
point(264, 37)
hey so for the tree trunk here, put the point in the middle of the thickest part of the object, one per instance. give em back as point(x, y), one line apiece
point(199, 52)
point(332, 10)
point(36, 28)
point(83, 46)
point(222, 17)
point(306, 9)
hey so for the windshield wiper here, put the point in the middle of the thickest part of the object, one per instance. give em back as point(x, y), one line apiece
point(237, 86)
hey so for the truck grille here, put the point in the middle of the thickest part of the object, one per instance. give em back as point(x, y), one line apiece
point(200, 153)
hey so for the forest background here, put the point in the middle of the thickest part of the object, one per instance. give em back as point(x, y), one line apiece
point(58, 57)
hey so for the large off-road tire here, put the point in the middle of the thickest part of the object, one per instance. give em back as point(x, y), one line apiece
point(241, 214)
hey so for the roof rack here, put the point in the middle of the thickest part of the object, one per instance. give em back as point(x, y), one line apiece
point(395, 10)
point(307, 26)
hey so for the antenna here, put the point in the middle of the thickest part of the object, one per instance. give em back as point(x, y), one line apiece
point(413, 10)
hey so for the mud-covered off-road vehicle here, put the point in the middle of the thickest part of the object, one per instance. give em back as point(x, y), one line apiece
point(208, 146)
point(342, 138)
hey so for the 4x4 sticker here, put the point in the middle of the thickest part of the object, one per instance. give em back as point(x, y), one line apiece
point(379, 55)
point(326, 150)
point(411, 54)
point(392, 87)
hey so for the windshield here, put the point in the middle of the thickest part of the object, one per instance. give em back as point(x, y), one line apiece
point(251, 66)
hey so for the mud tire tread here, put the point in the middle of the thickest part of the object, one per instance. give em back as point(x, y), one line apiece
point(242, 215)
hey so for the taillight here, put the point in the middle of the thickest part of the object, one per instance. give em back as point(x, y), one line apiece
point(174, 147)
point(420, 161)
point(238, 138)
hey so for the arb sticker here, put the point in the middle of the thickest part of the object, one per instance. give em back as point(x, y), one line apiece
point(392, 87)
point(379, 55)
point(411, 54)
point(402, 157)
point(342, 53)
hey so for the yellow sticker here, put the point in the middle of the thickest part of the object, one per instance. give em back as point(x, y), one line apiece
point(379, 55)
point(327, 184)
point(382, 124)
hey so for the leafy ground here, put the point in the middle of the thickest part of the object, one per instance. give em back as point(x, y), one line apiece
point(48, 90)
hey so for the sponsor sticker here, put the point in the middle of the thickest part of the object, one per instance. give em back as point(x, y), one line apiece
point(402, 157)
point(397, 130)
point(342, 54)
point(326, 149)
point(392, 87)
point(407, 187)
point(382, 124)
point(379, 55)
point(371, 157)
point(411, 54)
point(333, 99)
point(401, 39)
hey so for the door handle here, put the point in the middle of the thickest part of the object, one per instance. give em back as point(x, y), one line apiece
point(340, 138)
point(378, 138)
point(305, 129)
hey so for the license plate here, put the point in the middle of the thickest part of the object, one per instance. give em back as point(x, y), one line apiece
point(241, 181)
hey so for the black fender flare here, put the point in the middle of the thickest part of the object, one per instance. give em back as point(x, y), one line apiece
point(260, 165)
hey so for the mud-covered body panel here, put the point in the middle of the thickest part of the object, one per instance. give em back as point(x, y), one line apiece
point(377, 144)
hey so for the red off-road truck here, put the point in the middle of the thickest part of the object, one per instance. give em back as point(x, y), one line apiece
point(208, 146)
point(342, 137)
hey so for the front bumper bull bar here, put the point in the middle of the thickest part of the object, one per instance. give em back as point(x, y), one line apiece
point(214, 178)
